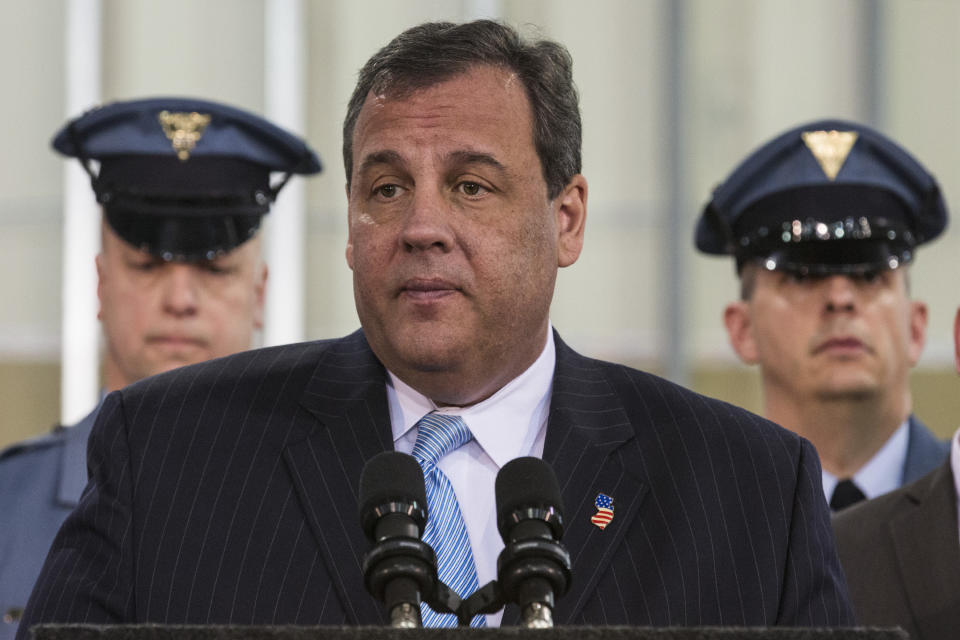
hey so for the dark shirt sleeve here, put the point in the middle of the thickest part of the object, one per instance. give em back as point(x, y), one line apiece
point(87, 574)
point(815, 590)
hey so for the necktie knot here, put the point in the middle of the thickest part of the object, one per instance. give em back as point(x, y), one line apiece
point(846, 494)
point(437, 435)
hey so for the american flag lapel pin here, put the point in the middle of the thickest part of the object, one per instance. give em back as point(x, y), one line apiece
point(604, 514)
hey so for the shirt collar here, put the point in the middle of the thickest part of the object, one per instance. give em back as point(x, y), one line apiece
point(883, 472)
point(505, 425)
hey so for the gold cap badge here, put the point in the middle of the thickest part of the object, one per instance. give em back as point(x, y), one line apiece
point(184, 130)
point(830, 148)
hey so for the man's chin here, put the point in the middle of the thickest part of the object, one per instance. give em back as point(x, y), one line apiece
point(850, 389)
point(429, 348)
point(431, 361)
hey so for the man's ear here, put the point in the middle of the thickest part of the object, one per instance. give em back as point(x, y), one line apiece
point(260, 291)
point(349, 251)
point(571, 220)
point(918, 330)
point(736, 317)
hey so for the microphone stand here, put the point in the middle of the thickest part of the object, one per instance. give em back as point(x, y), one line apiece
point(401, 571)
point(532, 573)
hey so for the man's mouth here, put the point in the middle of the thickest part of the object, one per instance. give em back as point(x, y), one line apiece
point(427, 289)
point(176, 341)
point(841, 344)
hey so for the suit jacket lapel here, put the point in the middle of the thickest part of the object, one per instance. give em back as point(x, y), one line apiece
point(928, 553)
point(586, 433)
point(348, 423)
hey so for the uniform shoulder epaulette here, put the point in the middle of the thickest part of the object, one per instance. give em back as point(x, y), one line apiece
point(31, 444)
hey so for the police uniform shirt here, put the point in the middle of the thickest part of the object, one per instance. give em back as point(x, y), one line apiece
point(40, 483)
point(883, 472)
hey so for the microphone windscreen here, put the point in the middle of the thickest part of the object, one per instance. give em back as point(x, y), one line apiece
point(526, 482)
point(391, 476)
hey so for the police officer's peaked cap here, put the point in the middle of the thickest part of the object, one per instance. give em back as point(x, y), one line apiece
point(183, 179)
point(826, 197)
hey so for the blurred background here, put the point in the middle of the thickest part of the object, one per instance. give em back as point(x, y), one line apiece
point(673, 93)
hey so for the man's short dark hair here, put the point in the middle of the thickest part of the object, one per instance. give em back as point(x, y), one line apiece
point(431, 53)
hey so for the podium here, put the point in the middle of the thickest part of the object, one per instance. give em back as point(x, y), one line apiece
point(234, 632)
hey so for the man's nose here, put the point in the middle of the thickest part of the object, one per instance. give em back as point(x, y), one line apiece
point(180, 289)
point(840, 294)
point(428, 221)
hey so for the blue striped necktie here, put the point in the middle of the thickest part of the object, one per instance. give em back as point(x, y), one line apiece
point(437, 435)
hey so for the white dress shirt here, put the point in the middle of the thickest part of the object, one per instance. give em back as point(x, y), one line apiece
point(883, 472)
point(509, 424)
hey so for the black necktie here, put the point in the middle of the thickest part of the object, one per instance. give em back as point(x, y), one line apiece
point(845, 494)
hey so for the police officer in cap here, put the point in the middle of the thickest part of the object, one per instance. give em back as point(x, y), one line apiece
point(183, 185)
point(823, 222)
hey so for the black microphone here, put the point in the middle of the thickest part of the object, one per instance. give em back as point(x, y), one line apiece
point(534, 568)
point(400, 568)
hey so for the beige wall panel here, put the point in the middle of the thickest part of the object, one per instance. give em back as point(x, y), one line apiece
point(207, 49)
point(719, 113)
point(923, 84)
point(923, 92)
point(936, 399)
point(935, 279)
point(31, 65)
point(27, 412)
point(329, 306)
point(807, 62)
point(329, 78)
point(30, 324)
point(605, 304)
point(31, 51)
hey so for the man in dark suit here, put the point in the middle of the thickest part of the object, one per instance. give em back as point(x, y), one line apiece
point(823, 222)
point(462, 151)
point(901, 551)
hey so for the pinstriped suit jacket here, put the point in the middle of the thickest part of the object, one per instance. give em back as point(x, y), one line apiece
point(227, 492)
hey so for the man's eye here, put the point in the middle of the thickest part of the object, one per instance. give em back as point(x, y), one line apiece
point(387, 190)
point(145, 266)
point(471, 188)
